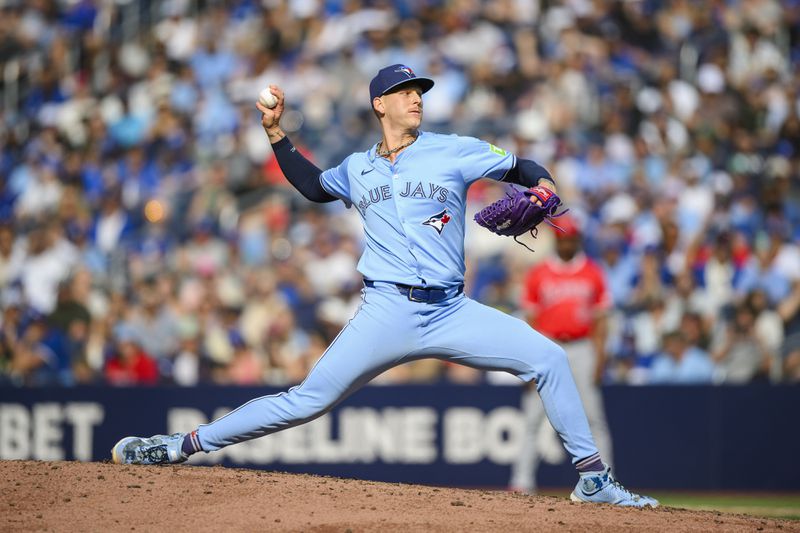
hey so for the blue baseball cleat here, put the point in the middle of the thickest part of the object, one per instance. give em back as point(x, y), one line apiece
point(601, 487)
point(156, 450)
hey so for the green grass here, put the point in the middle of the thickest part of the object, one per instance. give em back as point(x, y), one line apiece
point(785, 506)
point(779, 505)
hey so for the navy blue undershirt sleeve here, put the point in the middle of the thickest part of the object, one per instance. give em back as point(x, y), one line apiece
point(301, 173)
point(527, 173)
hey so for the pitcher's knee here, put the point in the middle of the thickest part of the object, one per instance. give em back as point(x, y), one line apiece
point(308, 405)
point(552, 358)
point(548, 358)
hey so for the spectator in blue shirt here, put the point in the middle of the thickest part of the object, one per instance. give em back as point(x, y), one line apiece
point(620, 266)
point(762, 272)
point(681, 364)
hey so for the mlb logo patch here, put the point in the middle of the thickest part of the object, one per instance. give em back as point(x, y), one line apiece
point(438, 221)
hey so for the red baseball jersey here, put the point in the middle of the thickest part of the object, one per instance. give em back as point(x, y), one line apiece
point(565, 297)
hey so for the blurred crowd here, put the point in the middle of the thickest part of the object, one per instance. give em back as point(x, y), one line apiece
point(147, 234)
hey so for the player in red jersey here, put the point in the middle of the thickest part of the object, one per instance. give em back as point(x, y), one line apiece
point(567, 299)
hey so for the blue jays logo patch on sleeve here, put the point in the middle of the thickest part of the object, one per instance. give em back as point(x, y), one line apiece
point(438, 221)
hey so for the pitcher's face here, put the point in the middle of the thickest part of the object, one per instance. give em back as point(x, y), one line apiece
point(401, 107)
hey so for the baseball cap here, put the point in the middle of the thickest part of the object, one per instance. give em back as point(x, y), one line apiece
point(569, 227)
point(393, 76)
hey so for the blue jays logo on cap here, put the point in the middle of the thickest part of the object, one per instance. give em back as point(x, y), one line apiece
point(393, 76)
point(407, 71)
point(438, 221)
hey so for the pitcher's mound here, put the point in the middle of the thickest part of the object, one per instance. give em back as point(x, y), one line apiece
point(66, 496)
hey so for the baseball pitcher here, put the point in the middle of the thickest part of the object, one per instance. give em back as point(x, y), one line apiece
point(410, 190)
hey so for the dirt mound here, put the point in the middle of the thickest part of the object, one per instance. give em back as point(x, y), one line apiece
point(66, 496)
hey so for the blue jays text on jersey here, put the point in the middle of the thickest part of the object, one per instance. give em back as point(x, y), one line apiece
point(384, 192)
point(413, 210)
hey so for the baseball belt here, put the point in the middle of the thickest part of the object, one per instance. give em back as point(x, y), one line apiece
point(422, 294)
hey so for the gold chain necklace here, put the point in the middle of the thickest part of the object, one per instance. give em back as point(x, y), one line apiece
point(397, 149)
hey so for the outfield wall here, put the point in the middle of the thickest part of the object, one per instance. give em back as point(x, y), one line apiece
point(730, 438)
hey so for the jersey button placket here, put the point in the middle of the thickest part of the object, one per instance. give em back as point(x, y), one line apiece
point(397, 197)
point(399, 204)
point(411, 247)
point(395, 184)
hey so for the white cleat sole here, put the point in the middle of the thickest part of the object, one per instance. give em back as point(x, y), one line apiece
point(575, 498)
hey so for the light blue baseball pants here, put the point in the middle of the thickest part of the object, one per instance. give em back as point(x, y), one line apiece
point(389, 330)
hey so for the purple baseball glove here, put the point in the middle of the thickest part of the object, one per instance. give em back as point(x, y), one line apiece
point(518, 213)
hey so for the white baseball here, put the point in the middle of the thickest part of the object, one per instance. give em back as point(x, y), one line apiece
point(267, 99)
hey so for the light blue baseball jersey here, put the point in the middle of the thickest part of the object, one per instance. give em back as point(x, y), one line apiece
point(413, 210)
